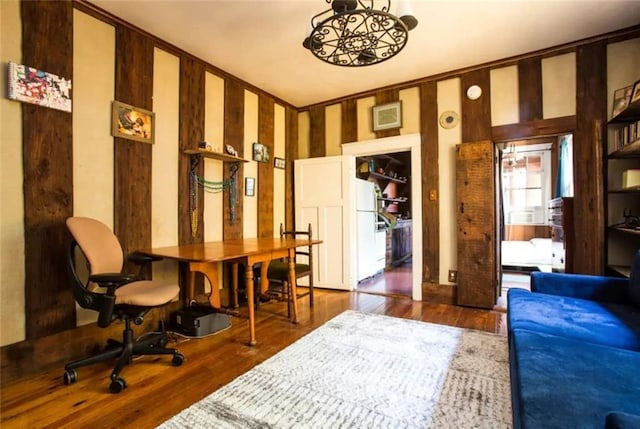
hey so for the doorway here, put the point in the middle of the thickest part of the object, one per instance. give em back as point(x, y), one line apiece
point(384, 224)
point(532, 172)
point(409, 144)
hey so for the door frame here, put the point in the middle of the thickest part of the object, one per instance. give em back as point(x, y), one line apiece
point(403, 143)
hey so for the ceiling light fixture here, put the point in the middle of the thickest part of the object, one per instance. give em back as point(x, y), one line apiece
point(355, 33)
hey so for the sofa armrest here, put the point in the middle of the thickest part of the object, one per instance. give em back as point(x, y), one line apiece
point(619, 420)
point(594, 288)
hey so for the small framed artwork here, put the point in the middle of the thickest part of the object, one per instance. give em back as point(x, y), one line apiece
point(387, 116)
point(30, 85)
point(279, 163)
point(635, 95)
point(621, 98)
point(249, 186)
point(260, 152)
point(133, 123)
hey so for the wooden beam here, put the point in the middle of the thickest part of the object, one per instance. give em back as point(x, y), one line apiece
point(349, 121)
point(47, 40)
point(291, 154)
point(476, 114)
point(430, 183)
point(317, 133)
point(232, 227)
point(530, 89)
point(535, 128)
point(588, 157)
point(264, 192)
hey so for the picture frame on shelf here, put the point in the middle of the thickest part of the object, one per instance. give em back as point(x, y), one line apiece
point(132, 123)
point(621, 99)
point(387, 116)
point(260, 152)
point(250, 186)
point(279, 163)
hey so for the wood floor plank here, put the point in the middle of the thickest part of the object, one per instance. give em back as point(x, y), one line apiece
point(157, 391)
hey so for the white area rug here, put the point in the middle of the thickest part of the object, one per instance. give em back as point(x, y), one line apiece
point(368, 371)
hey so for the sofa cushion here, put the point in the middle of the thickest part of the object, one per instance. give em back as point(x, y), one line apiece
point(564, 383)
point(592, 321)
point(634, 280)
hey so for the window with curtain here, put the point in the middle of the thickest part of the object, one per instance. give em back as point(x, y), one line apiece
point(526, 186)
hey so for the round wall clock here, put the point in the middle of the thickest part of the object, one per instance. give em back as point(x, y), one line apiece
point(449, 119)
point(474, 92)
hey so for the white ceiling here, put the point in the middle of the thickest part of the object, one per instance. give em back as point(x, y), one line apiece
point(260, 41)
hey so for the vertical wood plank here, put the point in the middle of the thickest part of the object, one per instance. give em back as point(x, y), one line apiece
point(475, 214)
point(588, 157)
point(47, 41)
point(234, 136)
point(191, 129)
point(430, 182)
point(476, 114)
point(317, 132)
point(266, 107)
point(132, 160)
point(384, 97)
point(349, 120)
point(530, 89)
point(291, 154)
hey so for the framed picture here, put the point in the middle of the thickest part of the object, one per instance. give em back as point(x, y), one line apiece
point(621, 98)
point(260, 152)
point(249, 186)
point(635, 96)
point(387, 116)
point(133, 123)
point(35, 86)
point(279, 163)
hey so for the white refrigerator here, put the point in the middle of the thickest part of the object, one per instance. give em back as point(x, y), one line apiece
point(370, 240)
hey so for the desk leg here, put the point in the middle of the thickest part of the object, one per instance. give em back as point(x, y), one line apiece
point(293, 283)
point(191, 288)
point(234, 284)
point(250, 304)
point(210, 270)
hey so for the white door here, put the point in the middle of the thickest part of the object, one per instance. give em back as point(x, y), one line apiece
point(320, 200)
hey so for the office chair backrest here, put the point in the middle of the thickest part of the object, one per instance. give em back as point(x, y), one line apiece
point(98, 243)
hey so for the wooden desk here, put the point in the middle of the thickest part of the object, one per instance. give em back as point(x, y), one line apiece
point(204, 258)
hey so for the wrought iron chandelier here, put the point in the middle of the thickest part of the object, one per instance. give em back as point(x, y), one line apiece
point(355, 33)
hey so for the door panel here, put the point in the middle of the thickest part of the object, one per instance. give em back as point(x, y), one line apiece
point(319, 200)
point(476, 221)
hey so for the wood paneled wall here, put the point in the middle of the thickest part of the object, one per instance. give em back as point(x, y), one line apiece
point(530, 89)
point(132, 160)
point(384, 97)
point(588, 153)
point(291, 154)
point(317, 132)
point(349, 121)
point(47, 39)
point(234, 136)
point(430, 183)
point(265, 169)
point(476, 114)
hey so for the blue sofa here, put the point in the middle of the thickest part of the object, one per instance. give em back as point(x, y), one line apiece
point(574, 351)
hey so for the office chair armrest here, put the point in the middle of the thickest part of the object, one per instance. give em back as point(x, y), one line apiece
point(141, 258)
point(112, 279)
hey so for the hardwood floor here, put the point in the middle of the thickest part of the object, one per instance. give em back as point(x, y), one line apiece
point(158, 391)
point(397, 281)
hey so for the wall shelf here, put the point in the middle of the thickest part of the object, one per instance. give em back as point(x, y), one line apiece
point(622, 270)
point(631, 150)
point(214, 155)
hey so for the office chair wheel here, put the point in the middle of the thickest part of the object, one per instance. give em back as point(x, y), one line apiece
point(117, 385)
point(177, 360)
point(70, 376)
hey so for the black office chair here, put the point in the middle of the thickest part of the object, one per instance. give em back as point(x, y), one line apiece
point(278, 271)
point(115, 296)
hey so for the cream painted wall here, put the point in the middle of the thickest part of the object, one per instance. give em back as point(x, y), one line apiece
point(214, 136)
point(365, 120)
point(333, 129)
point(449, 98)
point(250, 207)
point(93, 88)
point(303, 135)
point(12, 301)
point(165, 159)
point(623, 67)
point(559, 86)
point(279, 126)
point(410, 110)
point(505, 107)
